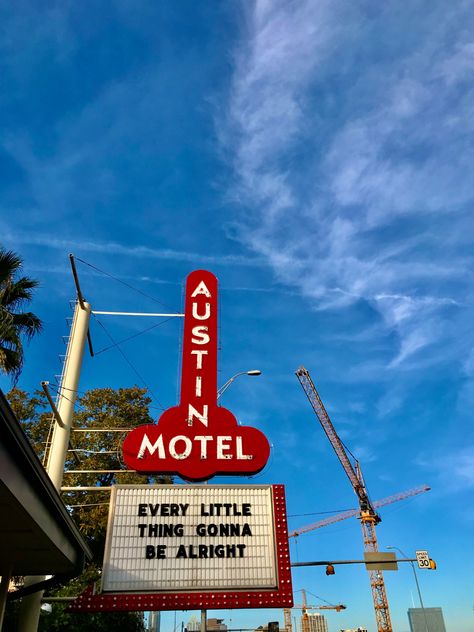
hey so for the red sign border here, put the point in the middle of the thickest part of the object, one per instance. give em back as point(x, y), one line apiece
point(281, 597)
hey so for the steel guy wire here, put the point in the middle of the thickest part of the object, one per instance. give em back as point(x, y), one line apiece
point(137, 373)
point(131, 287)
point(144, 331)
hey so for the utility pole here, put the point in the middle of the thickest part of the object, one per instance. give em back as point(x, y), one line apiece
point(31, 605)
point(68, 393)
point(154, 621)
point(417, 585)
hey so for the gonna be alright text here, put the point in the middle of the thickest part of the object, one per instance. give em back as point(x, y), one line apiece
point(202, 529)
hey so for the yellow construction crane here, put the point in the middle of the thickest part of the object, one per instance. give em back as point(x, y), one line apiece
point(367, 514)
point(305, 626)
point(350, 513)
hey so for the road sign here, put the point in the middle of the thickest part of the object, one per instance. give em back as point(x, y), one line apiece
point(423, 559)
point(378, 561)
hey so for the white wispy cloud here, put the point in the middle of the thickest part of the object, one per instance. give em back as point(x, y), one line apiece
point(453, 467)
point(343, 208)
point(114, 248)
point(49, 28)
point(364, 454)
point(463, 466)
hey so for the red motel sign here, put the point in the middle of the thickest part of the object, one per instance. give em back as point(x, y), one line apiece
point(197, 439)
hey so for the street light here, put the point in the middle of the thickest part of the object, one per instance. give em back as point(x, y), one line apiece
point(225, 386)
point(220, 391)
point(417, 584)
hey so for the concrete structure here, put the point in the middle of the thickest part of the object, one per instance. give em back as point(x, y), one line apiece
point(216, 625)
point(421, 619)
point(269, 627)
point(317, 622)
point(37, 535)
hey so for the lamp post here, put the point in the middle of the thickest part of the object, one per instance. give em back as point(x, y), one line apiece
point(224, 387)
point(220, 391)
point(416, 582)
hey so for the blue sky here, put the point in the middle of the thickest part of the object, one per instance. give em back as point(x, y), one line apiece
point(317, 156)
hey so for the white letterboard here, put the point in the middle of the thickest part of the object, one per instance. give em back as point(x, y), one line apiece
point(190, 538)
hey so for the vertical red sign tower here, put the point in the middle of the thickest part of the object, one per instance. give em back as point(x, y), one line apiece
point(198, 439)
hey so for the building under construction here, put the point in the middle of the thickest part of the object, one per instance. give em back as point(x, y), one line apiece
point(317, 622)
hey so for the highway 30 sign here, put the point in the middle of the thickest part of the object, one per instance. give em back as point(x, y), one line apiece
point(423, 559)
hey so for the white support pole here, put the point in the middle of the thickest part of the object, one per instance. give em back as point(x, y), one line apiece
point(137, 314)
point(68, 393)
point(31, 605)
point(154, 621)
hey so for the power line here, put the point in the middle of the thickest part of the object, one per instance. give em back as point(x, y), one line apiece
point(144, 331)
point(137, 373)
point(58, 387)
point(55, 386)
point(319, 513)
point(131, 287)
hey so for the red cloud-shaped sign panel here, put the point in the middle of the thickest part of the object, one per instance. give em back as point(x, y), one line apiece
point(196, 453)
point(197, 439)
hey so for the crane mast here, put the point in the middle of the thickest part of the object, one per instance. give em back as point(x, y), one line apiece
point(304, 614)
point(368, 516)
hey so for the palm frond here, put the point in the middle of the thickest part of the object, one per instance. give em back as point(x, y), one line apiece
point(10, 263)
point(11, 361)
point(14, 323)
point(27, 323)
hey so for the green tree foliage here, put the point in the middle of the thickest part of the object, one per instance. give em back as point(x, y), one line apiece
point(104, 409)
point(59, 620)
point(107, 410)
point(15, 324)
point(113, 413)
point(34, 415)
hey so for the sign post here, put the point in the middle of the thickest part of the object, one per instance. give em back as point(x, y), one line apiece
point(380, 561)
point(182, 547)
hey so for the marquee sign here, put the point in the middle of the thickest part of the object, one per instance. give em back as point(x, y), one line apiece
point(186, 547)
point(197, 439)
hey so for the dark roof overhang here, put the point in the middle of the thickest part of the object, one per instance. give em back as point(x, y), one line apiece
point(37, 534)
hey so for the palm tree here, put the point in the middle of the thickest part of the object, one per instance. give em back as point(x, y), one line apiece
point(14, 324)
